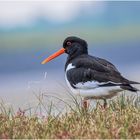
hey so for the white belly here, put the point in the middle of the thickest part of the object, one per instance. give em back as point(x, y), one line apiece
point(95, 92)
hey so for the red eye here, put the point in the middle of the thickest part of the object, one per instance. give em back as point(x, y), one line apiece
point(68, 43)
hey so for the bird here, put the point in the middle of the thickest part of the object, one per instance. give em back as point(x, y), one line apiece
point(89, 76)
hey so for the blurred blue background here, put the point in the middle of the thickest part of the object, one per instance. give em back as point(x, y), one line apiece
point(31, 31)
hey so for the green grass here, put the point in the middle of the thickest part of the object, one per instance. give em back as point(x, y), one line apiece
point(121, 119)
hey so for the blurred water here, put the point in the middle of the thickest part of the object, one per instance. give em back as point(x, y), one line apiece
point(20, 60)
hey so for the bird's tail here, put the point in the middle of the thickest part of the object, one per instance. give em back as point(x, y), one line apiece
point(130, 87)
point(133, 82)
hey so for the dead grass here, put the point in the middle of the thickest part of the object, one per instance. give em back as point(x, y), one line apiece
point(121, 120)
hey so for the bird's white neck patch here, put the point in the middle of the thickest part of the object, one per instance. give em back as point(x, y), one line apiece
point(70, 66)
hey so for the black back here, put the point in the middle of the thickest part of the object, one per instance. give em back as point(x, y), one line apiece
point(90, 68)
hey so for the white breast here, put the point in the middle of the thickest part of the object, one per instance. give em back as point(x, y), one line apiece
point(70, 66)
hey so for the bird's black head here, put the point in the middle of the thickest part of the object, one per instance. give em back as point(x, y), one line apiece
point(75, 46)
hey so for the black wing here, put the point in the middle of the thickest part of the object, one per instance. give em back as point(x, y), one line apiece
point(89, 68)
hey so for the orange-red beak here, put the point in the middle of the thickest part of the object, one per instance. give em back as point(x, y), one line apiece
point(61, 51)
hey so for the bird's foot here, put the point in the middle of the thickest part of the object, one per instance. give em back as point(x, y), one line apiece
point(105, 104)
point(85, 104)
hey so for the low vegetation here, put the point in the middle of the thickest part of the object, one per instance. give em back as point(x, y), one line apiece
point(121, 119)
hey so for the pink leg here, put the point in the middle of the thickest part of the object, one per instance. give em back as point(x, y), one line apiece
point(85, 104)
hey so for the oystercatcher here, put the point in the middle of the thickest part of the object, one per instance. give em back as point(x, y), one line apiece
point(89, 76)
